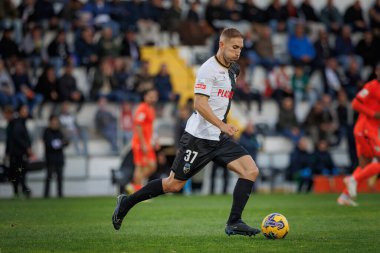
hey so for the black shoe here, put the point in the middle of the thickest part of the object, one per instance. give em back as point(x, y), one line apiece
point(240, 228)
point(118, 216)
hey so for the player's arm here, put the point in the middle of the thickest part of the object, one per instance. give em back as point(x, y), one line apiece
point(361, 104)
point(140, 136)
point(203, 108)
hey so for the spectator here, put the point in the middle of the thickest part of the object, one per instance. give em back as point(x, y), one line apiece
point(100, 11)
point(105, 84)
point(72, 130)
point(107, 45)
point(332, 78)
point(301, 166)
point(331, 17)
point(27, 12)
point(287, 123)
point(44, 13)
point(251, 12)
point(276, 16)
point(20, 151)
point(248, 139)
point(106, 124)
point(184, 113)
point(225, 179)
point(319, 123)
point(54, 144)
point(291, 13)
point(231, 11)
point(344, 48)
point(374, 16)
point(214, 11)
point(70, 14)
point(126, 121)
point(264, 49)
point(323, 162)
point(130, 48)
point(67, 87)
point(300, 48)
point(8, 115)
point(302, 90)
point(7, 90)
point(163, 85)
point(192, 14)
point(244, 92)
point(354, 17)
point(86, 49)
point(323, 49)
point(9, 51)
point(172, 17)
point(133, 12)
point(9, 17)
point(34, 48)
point(23, 88)
point(346, 118)
point(58, 51)
point(47, 86)
point(123, 75)
point(353, 81)
point(307, 11)
point(143, 80)
point(367, 49)
point(279, 84)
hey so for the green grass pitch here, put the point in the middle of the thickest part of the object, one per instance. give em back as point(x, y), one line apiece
point(187, 224)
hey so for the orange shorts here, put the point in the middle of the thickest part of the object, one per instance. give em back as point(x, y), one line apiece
point(143, 159)
point(367, 139)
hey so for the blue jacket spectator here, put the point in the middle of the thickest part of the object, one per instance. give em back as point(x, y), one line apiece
point(300, 48)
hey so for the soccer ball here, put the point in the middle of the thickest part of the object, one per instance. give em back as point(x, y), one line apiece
point(275, 226)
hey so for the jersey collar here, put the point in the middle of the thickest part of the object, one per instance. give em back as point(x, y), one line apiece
point(217, 60)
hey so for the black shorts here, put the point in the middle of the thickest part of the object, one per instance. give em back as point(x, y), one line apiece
point(195, 153)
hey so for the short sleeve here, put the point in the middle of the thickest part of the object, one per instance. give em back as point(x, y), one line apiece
point(140, 116)
point(203, 82)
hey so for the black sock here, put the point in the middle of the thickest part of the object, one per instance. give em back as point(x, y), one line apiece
point(151, 190)
point(241, 194)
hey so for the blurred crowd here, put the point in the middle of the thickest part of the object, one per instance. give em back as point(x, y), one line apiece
point(44, 42)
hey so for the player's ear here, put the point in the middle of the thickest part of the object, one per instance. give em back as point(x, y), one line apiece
point(221, 44)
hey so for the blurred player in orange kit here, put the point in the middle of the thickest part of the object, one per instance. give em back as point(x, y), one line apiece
point(142, 146)
point(367, 137)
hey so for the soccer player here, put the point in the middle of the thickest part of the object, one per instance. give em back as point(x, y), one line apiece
point(143, 151)
point(207, 138)
point(367, 137)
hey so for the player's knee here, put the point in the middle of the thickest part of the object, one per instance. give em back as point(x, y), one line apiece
point(173, 186)
point(251, 173)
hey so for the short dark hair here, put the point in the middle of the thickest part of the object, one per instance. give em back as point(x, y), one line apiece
point(230, 33)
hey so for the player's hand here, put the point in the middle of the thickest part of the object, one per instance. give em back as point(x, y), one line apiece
point(228, 129)
point(144, 148)
point(377, 115)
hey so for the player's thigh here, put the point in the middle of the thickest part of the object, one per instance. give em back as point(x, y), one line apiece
point(234, 157)
point(363, 145)
point(245, 167)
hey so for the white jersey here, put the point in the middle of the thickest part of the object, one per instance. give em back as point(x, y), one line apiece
point(212, 80)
